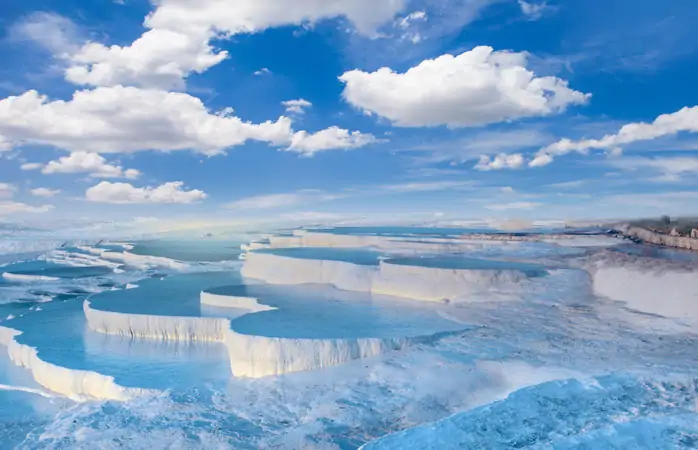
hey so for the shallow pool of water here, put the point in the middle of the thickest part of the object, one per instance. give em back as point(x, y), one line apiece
point(322, 312)
point(359, 256)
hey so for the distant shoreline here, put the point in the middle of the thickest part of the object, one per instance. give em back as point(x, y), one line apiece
point(652, 237)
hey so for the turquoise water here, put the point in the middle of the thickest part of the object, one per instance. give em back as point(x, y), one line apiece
point(464, 263)
point(201, 250)
point(41, 268)
point(350, 255)
point(174, 295)
point(321, 312)
point(60, 333)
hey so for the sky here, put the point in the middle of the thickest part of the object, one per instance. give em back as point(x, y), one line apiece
point(305, 111)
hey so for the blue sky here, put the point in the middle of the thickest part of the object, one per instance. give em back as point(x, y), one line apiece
point(297, 111)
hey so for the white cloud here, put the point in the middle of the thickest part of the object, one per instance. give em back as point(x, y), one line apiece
point(178, 40)
point(329, 139)
point(476, 144)
point(507, 189)
point(312, 216)
point(671, 169)
point(499, 162)
point(676, 201)
point(684, 120)
point(296, 106)
point(569, 184)
point(314, 196)
point(477, 87)
point(533, 11)
point(426, 186)
point(92, 163)
point(31, 166)
point(159, 58)
point(513, 205)
point(9, 208)
point(127, 119)
point(54, 32)
point(406, 22)
point(541, 160)
point(125, 193)
point(7, 190)
point(262, 71)
point(45, 192)
point(275, 201)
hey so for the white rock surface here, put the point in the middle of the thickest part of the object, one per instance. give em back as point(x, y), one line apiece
point(250, 356)
point(250, 304)
point(156, 327)
point(435, 284)
point(275, 269)
point(649, 285)
point(412, 282)
point(260, 356)
point(78, 385)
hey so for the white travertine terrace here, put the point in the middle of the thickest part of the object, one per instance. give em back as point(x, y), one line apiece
point(303, 238)
point(249, 304)
point(260, 356)
point(250, 356)
point(667, 289)
point(156, 327)
point(78, 385)
point(411, 282)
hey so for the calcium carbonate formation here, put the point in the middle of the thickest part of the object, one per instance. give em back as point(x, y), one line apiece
point(78, 385)
point(250, 356)
point(669, 290)
point(259, 356)
point(411, 282)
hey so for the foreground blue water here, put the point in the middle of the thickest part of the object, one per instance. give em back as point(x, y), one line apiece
point(549, 365)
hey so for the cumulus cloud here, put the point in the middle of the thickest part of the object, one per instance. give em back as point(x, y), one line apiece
point(11, 208)
point(7, 190)
point(45, 192)
point(296, 106)
point(499, 162)
point(328, 139)
point(684, 120)
point(262, 71)
point(274, 201)
point(159, 58)
point(475, 88)
point(178, 40)
point(92, 163)
point(125, 193)
point(128, 119)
